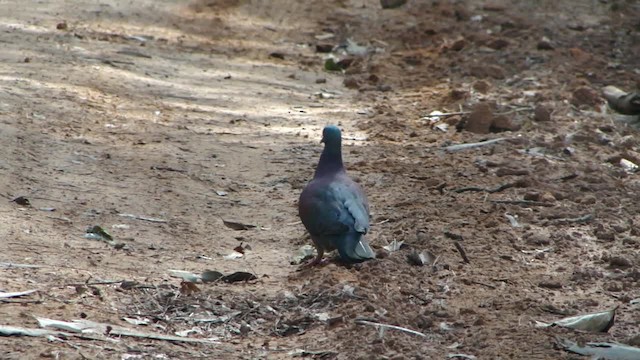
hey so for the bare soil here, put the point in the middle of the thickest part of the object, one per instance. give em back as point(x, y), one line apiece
point(183, 114)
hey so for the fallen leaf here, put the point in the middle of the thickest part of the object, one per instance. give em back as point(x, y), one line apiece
point(609, 351)
point(395, 245)
point(186, 275)
point(593, 322)
point(211, 276)
point(238, 276)
point(421, 259)
point(237, 226)
point(233, 255)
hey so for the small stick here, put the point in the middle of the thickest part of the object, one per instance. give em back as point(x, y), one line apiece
point(12, 265)
point(445, 114)
point(581, 219)
point(459, 147)
point(522, 202)
point(463, 253)
point(380, 325)
point(491, 191)
point(109, 282)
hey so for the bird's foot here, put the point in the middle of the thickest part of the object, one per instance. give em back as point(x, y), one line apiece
point(313, 263)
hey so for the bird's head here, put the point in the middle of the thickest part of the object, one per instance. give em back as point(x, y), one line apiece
point(331, 136)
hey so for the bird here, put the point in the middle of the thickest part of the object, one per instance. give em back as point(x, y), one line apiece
point(334, 208)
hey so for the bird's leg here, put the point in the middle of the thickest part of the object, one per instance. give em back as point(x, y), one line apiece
point(317, 260)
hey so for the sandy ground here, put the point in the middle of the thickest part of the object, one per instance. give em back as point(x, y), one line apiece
point(156, 120)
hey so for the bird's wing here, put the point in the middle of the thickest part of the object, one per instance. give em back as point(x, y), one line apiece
point(334, 208)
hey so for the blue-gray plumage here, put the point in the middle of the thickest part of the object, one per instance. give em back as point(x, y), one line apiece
point(333, 207)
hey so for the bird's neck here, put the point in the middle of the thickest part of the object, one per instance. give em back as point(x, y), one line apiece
point(330, 162)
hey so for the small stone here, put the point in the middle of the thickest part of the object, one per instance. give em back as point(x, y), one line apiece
point(62, 26)
point(550, 284)
point(480, 119)
point(537, 239)
point(620, 262)
point(321, 80)
point(481, 86)
point(27, 59)
point(545, 44)
point(541, 113)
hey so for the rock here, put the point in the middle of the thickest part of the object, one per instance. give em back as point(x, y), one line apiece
point(541, 113)
point(550, 284)
point(480, 119)
point(545, 44)
point(620, 262)
point(321, 80)
point(537, 238)
point(585, 96)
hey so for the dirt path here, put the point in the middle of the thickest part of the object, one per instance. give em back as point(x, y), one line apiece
point(185, 114)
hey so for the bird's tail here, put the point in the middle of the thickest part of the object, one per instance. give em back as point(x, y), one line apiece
point(354, 248)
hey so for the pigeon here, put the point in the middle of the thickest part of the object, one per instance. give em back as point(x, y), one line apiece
point(333, 208)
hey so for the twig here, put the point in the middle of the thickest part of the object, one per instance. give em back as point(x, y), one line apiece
point(483, 284)
point(491, 191)
point(426, 117)
point(381, 222)
point(459, 147)
point(16, 301)
point(154, 220)
point(12, 265)
point(522, 202)
point(581, 219)
point(527, 108)
point(109, 282)
point(380, 325)
point(463, 253)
